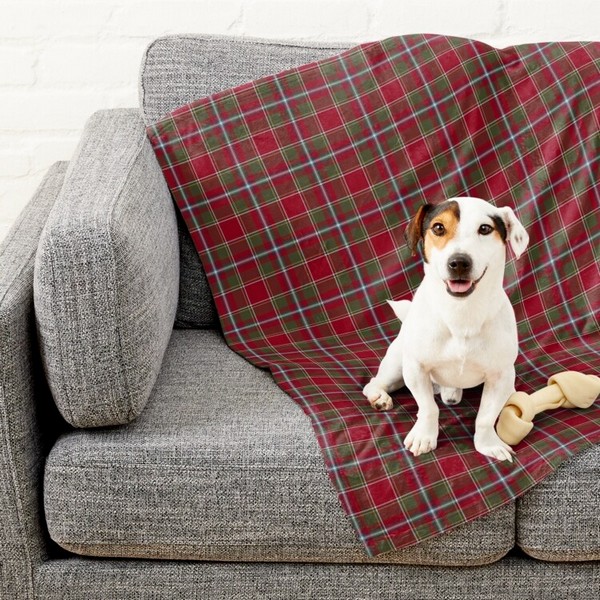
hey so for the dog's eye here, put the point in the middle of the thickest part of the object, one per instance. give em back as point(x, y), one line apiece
point(485, 229)
point(438, 229)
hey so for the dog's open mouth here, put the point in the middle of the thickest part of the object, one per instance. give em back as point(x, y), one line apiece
point(462, 287)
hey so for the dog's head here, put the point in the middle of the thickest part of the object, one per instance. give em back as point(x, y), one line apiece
point(464, 239)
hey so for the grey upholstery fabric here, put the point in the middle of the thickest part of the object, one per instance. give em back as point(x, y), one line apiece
point(509, 579)
point(106, 275)
point(182, 68)
point(559, 519)
point(179, 69)
point(23, 398)
point(196, 307)
point(221, 465)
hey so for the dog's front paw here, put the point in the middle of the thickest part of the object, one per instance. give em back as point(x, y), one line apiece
point(422, 438)
point(378, 398)
point(489, 444)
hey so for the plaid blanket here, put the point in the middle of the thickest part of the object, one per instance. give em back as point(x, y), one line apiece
point(297, 189)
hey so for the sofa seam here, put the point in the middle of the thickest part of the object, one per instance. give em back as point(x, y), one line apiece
point(117, 287)
point(557, 556)
point(260, 41)
point(141, 88)
point(489, 558)
point(18, 505)
point(168, 468)
point(59, 346)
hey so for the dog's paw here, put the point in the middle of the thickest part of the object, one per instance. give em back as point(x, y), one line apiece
point(377, 397)
point(489, 444)
point(422, 438)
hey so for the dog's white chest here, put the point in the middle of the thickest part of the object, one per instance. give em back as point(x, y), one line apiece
point(458, 363)
point(458, 348)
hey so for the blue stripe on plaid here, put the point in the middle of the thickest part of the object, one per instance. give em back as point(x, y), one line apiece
point(445, 177)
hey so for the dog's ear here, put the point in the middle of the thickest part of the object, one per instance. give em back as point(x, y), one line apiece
point(414, 232)
point(516, 235)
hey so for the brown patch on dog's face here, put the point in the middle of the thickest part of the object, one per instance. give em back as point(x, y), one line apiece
point(440, 227)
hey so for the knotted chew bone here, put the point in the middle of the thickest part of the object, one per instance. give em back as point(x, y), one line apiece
point(569, 389)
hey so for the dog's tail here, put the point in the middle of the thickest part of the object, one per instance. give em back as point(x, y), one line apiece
point(400, 308)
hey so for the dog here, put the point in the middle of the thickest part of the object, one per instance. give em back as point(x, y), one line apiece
point(460, 330)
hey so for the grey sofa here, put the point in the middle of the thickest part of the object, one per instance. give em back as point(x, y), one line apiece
point(141, 458)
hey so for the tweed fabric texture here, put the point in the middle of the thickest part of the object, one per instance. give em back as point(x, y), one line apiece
point(195, 307)
point(510, 579)
point(107, 274)
point(559, 519)
point(221, 465)
point(24, 400)
point(178, 69)
point(295, 189)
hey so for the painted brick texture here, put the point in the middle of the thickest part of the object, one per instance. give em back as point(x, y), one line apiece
point(60, 60)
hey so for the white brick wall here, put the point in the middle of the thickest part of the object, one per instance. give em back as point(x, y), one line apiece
point(60, 60)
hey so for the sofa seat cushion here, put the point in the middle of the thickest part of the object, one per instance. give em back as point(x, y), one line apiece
point(221, 465)
point(559, 519)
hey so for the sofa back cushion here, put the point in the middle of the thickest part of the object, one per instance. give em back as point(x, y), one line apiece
point(179, 69)
point(106, 275)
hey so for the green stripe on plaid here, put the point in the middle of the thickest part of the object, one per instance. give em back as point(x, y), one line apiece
point(296, 190)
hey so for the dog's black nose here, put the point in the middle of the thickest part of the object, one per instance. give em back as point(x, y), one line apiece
point(459, 266)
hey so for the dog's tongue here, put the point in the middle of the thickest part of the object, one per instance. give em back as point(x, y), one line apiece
point(459, 286)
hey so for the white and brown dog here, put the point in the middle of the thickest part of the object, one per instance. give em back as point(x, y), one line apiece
point(459, 331)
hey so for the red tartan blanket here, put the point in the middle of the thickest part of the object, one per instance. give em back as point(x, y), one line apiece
point(296, 190)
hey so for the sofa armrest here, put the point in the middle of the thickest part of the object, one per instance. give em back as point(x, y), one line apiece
point(24, 398)
point(106, 277)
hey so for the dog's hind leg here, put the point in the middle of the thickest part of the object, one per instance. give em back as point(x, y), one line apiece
point(388, 378)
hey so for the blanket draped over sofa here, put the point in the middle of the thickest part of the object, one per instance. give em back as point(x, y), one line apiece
point(297, 188)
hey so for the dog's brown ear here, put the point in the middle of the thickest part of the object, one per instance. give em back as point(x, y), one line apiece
point(414, 232)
